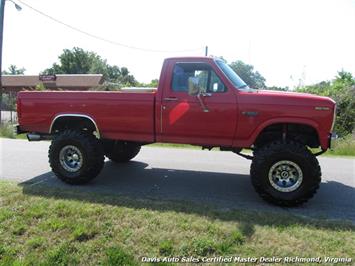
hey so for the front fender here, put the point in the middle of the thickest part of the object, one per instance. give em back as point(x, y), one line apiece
point(323, 136)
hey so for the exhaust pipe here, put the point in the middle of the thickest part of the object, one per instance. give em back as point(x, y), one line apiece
point(33, 137)
point(37, 137)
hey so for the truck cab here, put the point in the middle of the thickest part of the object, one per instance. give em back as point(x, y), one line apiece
point(203, 101)
point(196, 102)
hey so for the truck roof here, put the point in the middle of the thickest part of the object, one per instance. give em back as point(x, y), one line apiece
point(190, 58)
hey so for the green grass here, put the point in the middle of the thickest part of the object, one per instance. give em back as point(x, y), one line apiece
point(344, 146)
point(7, 130)
point(47, 226)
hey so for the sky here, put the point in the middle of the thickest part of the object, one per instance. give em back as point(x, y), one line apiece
point(285, 40)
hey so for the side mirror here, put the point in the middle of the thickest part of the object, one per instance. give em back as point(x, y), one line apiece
point(194, 88)
point(215, 87)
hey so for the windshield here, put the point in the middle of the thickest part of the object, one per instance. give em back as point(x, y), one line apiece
point(231, 75)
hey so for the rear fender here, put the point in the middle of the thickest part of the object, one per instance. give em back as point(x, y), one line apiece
point(63, 116)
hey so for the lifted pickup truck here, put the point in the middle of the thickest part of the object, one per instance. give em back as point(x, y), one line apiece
point(199, 101)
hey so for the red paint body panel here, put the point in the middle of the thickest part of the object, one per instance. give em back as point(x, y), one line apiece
point(118, 115)
point(183, 120)
point(282, 107)
point(149, 117)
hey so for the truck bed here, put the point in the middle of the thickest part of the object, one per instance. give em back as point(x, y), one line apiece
point(118, 115)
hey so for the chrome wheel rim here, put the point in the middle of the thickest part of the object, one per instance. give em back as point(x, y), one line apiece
point(285, 176)
point(71, 158)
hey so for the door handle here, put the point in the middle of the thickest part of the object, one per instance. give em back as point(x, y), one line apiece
point(250, 113)
point(206, 94)
point(170, 99)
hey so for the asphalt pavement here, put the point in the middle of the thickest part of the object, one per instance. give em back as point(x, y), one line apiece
point(208, 177)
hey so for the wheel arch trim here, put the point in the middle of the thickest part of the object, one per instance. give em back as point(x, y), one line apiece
point(288, 120)
point(74, 115)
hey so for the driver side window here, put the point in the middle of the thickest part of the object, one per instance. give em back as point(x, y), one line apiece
point(208, 81)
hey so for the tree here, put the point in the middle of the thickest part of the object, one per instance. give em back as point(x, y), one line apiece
point(152, 84)
point(342, 90)
point(14, 70)
point(125, 78)
point(8, 102)
point(79, 61)
point(247, 73)
point(277, 88)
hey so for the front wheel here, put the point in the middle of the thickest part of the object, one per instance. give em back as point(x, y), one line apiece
point(75, 157)
point(286, 174)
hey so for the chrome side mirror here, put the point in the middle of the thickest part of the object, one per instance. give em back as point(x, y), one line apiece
point(215, 87)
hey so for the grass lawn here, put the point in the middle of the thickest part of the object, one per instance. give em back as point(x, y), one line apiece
point(47, 226)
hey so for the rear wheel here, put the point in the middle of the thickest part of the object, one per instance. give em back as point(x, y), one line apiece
point(286, 174)
point(121, 151)
point(75, 157)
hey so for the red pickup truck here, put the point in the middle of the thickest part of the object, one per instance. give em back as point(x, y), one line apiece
point(199, 101)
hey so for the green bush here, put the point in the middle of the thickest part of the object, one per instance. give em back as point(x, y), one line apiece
point(342, 90)
point(7, 130)
point(8, 101)
point(107, 86)
point(344, 146)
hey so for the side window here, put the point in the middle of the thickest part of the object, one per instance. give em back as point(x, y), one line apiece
point(202, 77)
point(180, 79)
point(207, 79)
point(216, 84)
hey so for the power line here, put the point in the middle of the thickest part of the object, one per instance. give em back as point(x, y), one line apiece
point(102, 38)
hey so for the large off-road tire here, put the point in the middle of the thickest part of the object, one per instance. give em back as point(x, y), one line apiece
point(120, 151)
point(76, 157)
point(285, 174)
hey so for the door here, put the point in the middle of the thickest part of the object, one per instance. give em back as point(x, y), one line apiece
point(206, 119)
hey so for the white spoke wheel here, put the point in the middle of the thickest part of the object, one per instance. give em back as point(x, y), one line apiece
point(285, 176)
point(71, 158)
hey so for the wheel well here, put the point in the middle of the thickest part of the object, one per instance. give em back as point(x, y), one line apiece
point(74, 122)
point(301, 133)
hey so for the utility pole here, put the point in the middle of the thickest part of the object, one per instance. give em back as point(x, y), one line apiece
point(249, 52)
point(206, 50)
point(2, 12)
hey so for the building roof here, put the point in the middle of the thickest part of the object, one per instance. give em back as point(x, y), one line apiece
point(52, 81)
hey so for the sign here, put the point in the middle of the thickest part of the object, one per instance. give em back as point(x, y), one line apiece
point(46, 78)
